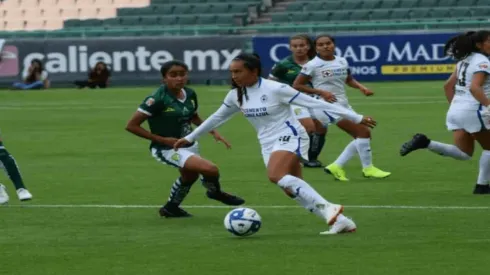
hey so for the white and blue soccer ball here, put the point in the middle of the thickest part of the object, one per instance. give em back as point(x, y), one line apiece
point(243, 221)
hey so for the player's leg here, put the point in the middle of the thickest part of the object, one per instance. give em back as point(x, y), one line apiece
point(178, 192)
point(362, 145)
point(304, 117)
point(482, 184)
point(461, 150)
point(317, 141)
point(8, 163)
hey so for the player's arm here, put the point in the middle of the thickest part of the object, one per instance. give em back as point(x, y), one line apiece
point(449, 86)
point(301, 83)
point(353, 83)
point(289, 95)
point(197, 120)
point(476, 87)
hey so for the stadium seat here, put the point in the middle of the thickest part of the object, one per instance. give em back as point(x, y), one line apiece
point(340, 16)
point(399, 14)
point(206, 19)
point(460, 13)
point(220, 7)
point(162, 9)
point(316, 6)
point(297, 6)
point(182, 9)
point(359, 15)
point(370, 4)
point(389, 4)
point(428, 3)
point(408, 3)
point(380, 14)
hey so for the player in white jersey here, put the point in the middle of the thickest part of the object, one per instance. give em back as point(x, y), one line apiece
point(468, 117)
point(328, 74)
point(267, 106)
point(285, 71)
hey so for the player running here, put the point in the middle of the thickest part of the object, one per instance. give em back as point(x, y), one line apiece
point(286, 71)
point(468, 117)
point(8, 163)
point(328, 74)
point(170, 111)
point(267, 106)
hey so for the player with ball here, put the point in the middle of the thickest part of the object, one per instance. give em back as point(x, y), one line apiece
point(266, 105)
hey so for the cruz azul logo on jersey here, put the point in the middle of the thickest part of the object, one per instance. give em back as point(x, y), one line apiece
point(334, 72)
point(255, 112)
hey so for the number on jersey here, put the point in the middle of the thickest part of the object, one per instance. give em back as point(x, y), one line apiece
point(462, 73)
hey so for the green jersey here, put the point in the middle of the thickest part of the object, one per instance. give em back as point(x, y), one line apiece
point(168, 115)
point(286, 70)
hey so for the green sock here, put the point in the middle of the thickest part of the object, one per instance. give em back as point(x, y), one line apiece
point(9, 164)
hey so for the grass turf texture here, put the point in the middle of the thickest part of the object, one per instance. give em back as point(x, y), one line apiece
point(72, 150)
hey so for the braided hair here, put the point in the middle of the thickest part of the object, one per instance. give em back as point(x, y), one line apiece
point(251, 62)
point(459, 47)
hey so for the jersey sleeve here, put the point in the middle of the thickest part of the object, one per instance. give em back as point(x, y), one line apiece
point(278, 71)
point(195, 102)
point(150, 106)
point(483, 66)
point(288, 95)
point(218, 118)
point(307, 69)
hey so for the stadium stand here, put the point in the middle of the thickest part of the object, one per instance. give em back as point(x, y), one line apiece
point(92, 18)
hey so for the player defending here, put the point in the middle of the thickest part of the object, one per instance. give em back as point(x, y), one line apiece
point(7, 162)
point(328, 73)
point(468, 117)
point(286, 71)
point(170, 110)
point(267, 106)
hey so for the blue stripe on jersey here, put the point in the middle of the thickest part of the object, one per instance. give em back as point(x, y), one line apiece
point(329, 117)
point(295, 133)
point(294, 97)
point(480, 118)
point(305, 74)
point(226, 105)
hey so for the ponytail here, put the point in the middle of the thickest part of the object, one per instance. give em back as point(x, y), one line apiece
point(461, 46)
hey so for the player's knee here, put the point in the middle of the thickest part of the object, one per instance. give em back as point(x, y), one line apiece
point(363, 132)
point(210, 170)
point(274, 177)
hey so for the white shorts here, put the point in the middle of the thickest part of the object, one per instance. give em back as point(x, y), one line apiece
point(296, 141)
point(301, 112)
point(175, 158)
point(465, 119)
point(327, 118)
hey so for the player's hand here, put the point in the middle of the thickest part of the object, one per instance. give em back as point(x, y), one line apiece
point(218, 138)
point(328, 96)
point(168, 141)
point(181, 143)
point(368, 121)
point(366, 91)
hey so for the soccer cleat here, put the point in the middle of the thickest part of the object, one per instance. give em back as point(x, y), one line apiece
point(225, 198)
point(419, 141)
point(312, 164)
point(169, 211)
point(4, 197)
point(342, 225)
point(373, 172)
point(331, 211)
point(481, 189)
point(24, 194)
point(336, 171)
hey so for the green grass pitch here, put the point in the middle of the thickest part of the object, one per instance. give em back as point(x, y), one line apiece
point(75, 155)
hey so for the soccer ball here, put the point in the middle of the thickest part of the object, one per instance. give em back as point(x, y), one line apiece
point(243, 222)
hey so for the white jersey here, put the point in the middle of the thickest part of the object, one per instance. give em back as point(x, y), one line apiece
point(268, 110)
point(328, 75)
point(465, 69)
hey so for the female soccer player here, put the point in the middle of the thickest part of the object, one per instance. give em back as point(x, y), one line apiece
point(286, 71)
point(8, 163)
point(170, 111)
point(468, 117)
point(328, 73)
point(267, 105)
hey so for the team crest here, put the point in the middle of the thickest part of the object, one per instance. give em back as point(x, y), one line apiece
point(327, 73)
point(175, 157)
point(297, 111)
point(150, 101)
point(483, 66)
point(263, 98)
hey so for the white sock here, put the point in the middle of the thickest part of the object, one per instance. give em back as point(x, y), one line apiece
point(448, 150)
point(363, 146)
point(305, 194)
point(349, 152)
point(484, 174)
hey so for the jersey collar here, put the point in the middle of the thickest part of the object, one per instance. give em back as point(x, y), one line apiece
point(257, 84)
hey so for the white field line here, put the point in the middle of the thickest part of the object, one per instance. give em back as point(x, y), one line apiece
point(122, 206)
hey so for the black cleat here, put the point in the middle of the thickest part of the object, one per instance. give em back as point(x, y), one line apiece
point(225, 198)
point(312, 164)
point(481, 189)
point(419, 141)
point(168, 211)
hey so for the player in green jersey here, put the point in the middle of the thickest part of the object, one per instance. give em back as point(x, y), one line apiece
point(7, 162)
point(286, 71)
point(170, 111)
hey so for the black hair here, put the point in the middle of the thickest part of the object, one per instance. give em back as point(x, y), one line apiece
point(167, 65)
point(256, 55)
point(309, 41)
point(324, 35)
point(39, 62)
point(251, 62)
point(459, 47)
